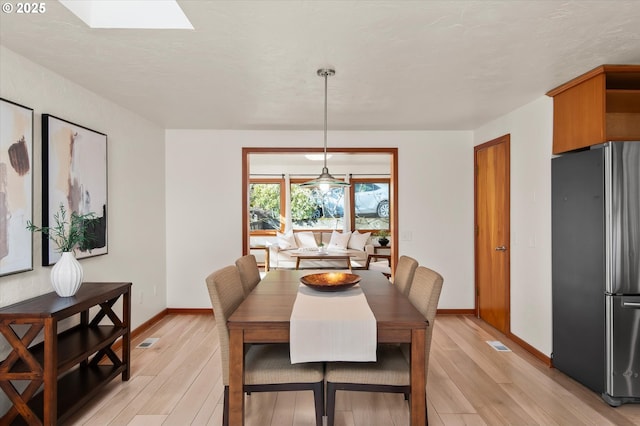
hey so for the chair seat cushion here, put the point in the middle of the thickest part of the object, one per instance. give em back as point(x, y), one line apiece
point(391, 368)
point(270, 364)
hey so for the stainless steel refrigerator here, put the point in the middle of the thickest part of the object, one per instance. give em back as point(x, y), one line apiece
point(596, 269)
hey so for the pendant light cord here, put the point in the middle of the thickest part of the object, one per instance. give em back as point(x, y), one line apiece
point(325, 120)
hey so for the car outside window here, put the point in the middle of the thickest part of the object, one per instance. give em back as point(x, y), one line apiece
point(371, 205)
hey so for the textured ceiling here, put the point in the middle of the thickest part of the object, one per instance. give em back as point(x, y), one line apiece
point(424, 65)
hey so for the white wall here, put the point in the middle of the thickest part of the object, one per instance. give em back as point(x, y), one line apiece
point(531, 129)
point(136, 216)
point(199, 192)
point(204, 215)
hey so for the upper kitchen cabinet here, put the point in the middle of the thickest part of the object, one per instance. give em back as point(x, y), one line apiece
point(599, 106)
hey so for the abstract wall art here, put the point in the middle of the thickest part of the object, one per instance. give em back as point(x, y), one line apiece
point(74, 163)
point(16, 187)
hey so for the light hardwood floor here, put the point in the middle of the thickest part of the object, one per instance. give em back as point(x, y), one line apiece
point(177, 381)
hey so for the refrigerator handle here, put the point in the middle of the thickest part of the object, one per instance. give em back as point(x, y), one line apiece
point(631, 304)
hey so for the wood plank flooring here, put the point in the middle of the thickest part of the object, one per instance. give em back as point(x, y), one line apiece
point(177, 381)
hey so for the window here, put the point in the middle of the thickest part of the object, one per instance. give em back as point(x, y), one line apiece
point(371, 204)
point(313, 209)
point(316, 210)
point(265, 205)
point(367, 205)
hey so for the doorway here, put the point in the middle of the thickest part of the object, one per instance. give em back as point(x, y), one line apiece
point(492, 232)
point(362, 164)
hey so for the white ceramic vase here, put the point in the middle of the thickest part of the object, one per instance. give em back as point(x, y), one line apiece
point(66, 275)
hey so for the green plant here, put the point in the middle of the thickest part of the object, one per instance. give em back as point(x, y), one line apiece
point(383, 233)
point(69, 232)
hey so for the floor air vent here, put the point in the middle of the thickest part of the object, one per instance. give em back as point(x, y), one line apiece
point(148, 342)
point(498, 346)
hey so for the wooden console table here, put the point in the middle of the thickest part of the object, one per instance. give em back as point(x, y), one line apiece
point(51, 363)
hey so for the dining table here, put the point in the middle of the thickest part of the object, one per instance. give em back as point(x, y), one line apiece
point(264, 317)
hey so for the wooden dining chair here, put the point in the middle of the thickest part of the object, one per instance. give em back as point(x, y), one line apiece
point(391, 372)
point(249, 272)
point(267, 367)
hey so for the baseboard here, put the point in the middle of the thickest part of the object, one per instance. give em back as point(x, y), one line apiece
point(533, 351)
point(143, 327)
point(455, 312)
point(205, 311)
point(518, 341)
point(190, 311)
point(148, 324)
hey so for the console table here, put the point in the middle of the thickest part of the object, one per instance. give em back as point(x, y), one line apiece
point(51, 363)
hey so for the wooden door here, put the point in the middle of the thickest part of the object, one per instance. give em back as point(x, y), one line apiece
point(492, 211)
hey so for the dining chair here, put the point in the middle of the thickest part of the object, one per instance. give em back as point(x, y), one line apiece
point(405, 271)
point(249, 272)
point(391, 372)
point(267, 367)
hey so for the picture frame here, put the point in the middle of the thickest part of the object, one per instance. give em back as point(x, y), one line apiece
point(74, 175)
point(16, 187)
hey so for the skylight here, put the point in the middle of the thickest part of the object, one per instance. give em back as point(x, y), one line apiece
point(145, 14)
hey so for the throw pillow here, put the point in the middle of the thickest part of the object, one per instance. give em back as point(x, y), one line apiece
point(306, 239)
point(286, 241)
point(358, 240)
point(339, 240)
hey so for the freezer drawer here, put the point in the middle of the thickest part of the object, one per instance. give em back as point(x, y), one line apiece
point(623, 349)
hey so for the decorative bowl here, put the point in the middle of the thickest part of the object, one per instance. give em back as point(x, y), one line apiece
point(330, 281)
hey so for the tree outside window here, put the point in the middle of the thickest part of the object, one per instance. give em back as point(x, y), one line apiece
point(264, 206)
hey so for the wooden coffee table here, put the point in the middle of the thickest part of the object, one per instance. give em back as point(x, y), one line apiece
point(313, 255)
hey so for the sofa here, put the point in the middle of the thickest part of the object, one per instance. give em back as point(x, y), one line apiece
point(353, 243)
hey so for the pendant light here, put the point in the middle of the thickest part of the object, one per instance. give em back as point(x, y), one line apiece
point(325, 180)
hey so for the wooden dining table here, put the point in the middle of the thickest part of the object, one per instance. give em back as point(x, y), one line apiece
point(263, 317)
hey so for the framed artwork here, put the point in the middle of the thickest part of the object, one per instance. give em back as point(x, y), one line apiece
point(74, 174)
point(16, 187)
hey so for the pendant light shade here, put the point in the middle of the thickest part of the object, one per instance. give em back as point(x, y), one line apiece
point(325, 180)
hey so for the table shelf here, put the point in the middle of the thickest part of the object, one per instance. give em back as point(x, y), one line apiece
point(75, 389)
point(74, 345)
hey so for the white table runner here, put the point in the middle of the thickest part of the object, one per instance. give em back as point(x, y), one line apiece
point(332, 326)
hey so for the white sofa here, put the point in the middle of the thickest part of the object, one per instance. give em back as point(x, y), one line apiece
point(355, 244)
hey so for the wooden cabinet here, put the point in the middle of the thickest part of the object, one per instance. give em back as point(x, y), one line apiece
point(599, 106)
point(48, 381)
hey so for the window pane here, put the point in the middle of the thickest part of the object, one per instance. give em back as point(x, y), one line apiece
point(313, 209)
point(264, 206)
point(371, 204)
